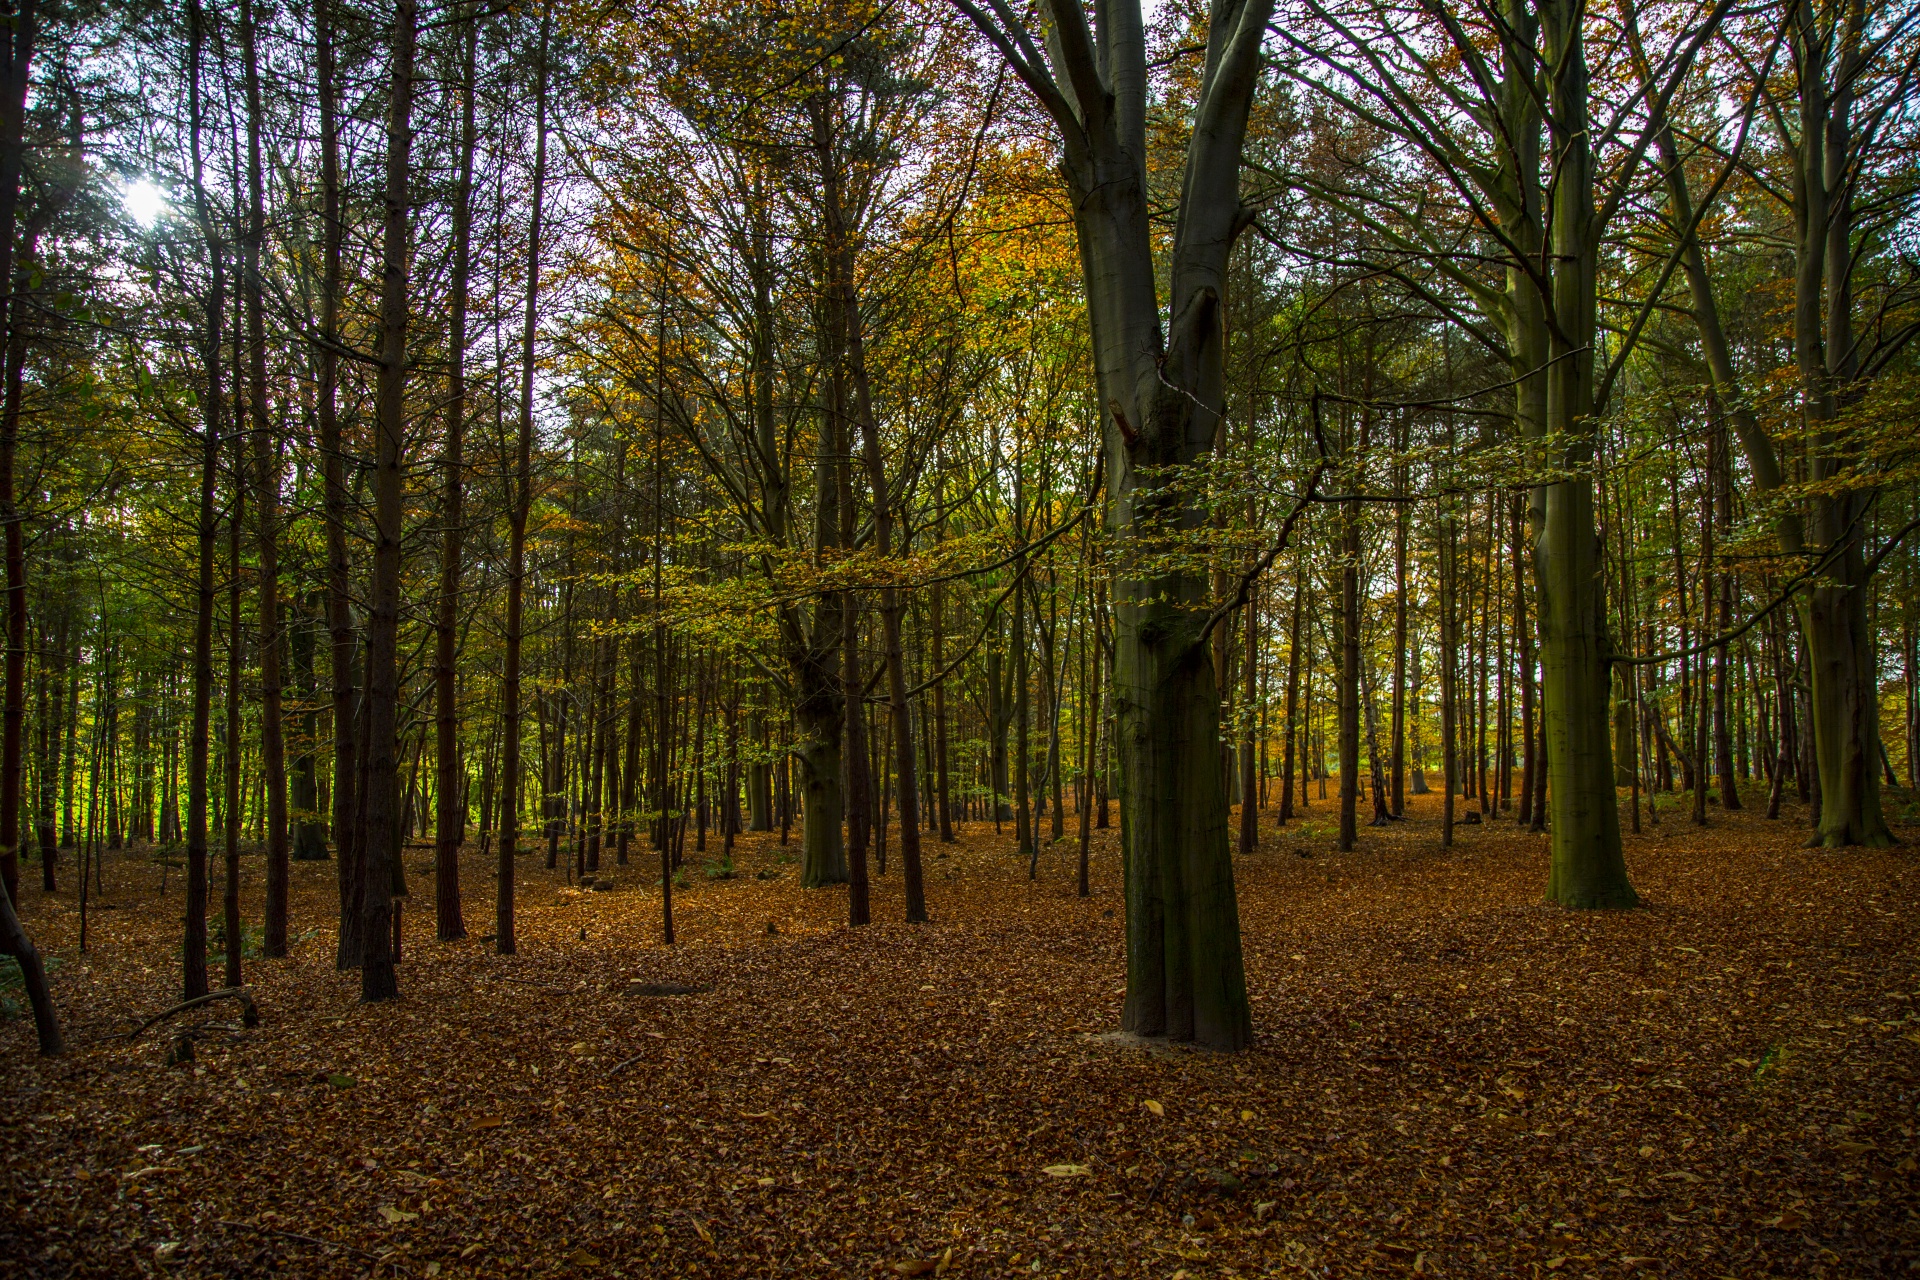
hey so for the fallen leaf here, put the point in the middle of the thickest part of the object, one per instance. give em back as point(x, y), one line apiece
point(700, 1229)
point(1066, 1171)
point(916, 1266)
point(581, 1258)
point(339, 1080)
point(395, 1216)
point(1854, 1148)
point(1154, 1107)
point(488, 1122)
point(1791, 1219)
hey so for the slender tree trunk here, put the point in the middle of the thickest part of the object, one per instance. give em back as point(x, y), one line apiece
point(891, 604)
point(16, 51)
point(266, 486)
point(349, 863)
point(1293, 694)
point(1249, 677)
point(1349, 709)
point(522, 502)
point(449, 826)
point(377, 980)
point(194, 941)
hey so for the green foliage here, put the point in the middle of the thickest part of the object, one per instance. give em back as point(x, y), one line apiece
point(1772, 1063)
point(251, 939)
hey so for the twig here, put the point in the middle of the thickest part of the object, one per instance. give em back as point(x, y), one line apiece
point(249, 1015)
point(622, 1066)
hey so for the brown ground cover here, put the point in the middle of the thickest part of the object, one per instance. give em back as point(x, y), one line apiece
point(1450, 1078)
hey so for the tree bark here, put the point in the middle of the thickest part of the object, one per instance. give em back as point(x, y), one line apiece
point(522, 503)
point(377, 979)
point(1587, 868)
point(1163, 391)
point(266, 486)
point(449, 825)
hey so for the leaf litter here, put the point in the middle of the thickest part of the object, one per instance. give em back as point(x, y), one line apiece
point(1450, 1078)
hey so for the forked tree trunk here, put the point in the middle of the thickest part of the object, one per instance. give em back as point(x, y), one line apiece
point(1162, 387)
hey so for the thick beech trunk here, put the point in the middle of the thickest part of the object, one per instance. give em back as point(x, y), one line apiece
point(1587, 869)
point(1161, 384)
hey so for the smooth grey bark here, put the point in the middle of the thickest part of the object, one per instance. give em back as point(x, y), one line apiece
point(1587, 868)
point(1843, 706)
point(1161, 381)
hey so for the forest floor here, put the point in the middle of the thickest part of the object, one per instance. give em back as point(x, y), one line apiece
point(1450, 1078)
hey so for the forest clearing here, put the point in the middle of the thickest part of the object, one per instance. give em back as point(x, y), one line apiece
point(1451, 1078)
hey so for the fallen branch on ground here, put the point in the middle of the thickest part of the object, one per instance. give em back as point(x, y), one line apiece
point(249, 1014)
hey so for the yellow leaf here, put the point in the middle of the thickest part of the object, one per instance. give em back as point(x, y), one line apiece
point(1154, 1107)
point(1066, 1171)
point(1854, 1148)
point(1246, 1115)
point(581, 1258)
point(488, 1122)
point(946, 1260)
point(700, 1229)
point(915, 1266)
point(395, 1216)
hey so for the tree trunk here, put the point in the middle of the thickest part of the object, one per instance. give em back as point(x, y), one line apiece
point(266, 486)
point(194, 940)
point(522, 502)
point(1587, 869)
point(377, 981)
point(449, 824)
point(349, 868)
